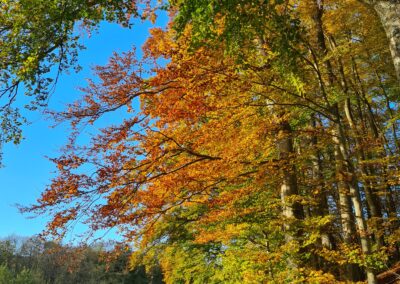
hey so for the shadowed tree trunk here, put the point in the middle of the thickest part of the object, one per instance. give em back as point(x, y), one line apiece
point(291, 210)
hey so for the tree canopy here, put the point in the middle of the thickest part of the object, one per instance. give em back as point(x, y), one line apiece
point(39, 40)
point(265, 149)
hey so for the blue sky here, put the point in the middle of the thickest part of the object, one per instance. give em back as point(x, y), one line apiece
point(27, 171)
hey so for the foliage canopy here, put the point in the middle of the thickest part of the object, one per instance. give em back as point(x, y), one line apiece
point(265, 150)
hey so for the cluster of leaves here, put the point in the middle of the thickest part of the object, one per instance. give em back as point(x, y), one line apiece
point(242, 166)
point(39, 40)
point(33, 261)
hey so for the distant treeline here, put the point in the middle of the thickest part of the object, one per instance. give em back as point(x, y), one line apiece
point(31, 261)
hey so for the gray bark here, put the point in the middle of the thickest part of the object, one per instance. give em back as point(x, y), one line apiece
point(389, 14)
point(350, 187)
point(291, 210)
point(289, 183)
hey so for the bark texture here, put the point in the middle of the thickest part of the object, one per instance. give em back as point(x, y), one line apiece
point(389, 14)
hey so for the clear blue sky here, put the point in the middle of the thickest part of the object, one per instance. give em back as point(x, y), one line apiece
point(27, 171)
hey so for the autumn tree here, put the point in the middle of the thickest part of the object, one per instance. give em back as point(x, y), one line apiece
point(265, 149)
point(39, 41)
point(389, 14)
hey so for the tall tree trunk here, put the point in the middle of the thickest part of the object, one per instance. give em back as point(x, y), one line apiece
point(322, 207)
point(291, 210)
point(346, 212)
point(344, 200)
point(289, 183)
point(389, 14)
point(372, 199)
point(349, 184)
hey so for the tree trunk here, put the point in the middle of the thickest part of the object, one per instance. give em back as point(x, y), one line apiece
point(291, 210)
point(352, 271)
point(389, 14)
point(322, 208)
point(372, 199)
point(289, 183)
point(348, 184)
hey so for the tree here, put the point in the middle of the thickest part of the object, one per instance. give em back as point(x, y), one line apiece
point(272, 160)
point(389, 13)
point(39, 41)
